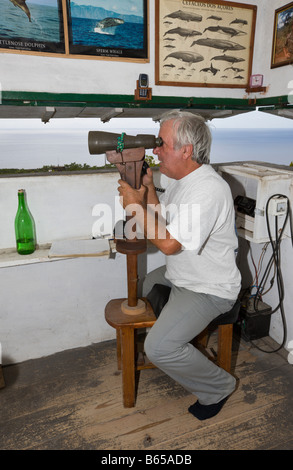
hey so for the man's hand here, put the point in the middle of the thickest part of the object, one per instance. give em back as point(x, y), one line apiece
point(147, 179)
point(129, 195)
point(148, 220)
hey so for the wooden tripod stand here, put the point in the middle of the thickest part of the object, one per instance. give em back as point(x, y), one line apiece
point(129, 315)
point(129, 164)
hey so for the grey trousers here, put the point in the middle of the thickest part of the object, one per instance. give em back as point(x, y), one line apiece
point(185, 315)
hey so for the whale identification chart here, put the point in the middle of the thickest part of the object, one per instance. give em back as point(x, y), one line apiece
point(204, 43)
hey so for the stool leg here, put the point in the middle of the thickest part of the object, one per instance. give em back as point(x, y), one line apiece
point(225, 336)
point(202, 338)
point(128, 366)
point(118, 348)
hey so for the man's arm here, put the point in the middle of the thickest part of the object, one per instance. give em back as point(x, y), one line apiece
point(148, 182)
point(154, 226)
point(143, 204)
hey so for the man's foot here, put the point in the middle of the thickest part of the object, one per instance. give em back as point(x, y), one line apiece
point(206, 411)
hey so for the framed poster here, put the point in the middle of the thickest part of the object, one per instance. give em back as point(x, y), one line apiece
point(108, 29)
point(204, 43)
point(282, 52)
point(35, 26)
point(76, 29)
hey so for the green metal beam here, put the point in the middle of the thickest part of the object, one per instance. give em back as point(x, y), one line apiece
point(27, 98)
point(23, 98)
point(273, 101)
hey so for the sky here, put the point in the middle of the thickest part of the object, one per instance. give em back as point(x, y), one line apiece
point(134, 7)
point(50, 3)
point(252, 120)
point(287, 14)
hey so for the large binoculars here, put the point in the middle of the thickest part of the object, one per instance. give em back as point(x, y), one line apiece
point(102, 142)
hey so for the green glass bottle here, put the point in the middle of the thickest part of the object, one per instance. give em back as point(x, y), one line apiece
point(24, 224)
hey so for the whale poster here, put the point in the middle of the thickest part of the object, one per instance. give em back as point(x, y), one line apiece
point(204, 43)
point(108, 29)
point(76, 28)
point(32, 25)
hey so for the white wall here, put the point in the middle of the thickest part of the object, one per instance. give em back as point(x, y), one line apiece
point(62, 208)
point(57, 305)
point(277, 79)
point(57, 75)
point(52, 306)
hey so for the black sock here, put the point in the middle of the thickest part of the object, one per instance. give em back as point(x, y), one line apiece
point(206, 411)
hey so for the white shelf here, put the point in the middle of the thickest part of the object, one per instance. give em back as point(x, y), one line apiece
point(47, 253)
point(10, 257)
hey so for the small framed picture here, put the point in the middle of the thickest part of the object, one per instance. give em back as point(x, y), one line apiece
point(256, 81)
point(282, 51)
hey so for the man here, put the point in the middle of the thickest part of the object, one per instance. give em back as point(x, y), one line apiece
point(201, 268)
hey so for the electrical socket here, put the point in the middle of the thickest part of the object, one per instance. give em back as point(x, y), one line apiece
point(277, 206)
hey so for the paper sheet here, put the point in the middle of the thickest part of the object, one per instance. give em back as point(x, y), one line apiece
point(76, 248)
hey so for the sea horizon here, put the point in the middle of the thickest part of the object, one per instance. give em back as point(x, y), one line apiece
point(27, 148)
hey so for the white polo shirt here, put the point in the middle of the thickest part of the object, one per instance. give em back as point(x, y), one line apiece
point(200, 214)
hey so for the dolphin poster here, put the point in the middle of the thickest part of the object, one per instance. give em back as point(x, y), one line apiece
point(32, 25)
point(108, 29)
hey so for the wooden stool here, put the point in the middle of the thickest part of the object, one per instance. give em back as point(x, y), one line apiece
point(224, 324)
point(126, 326)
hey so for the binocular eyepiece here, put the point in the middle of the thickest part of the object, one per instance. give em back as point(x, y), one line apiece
point(102, 142)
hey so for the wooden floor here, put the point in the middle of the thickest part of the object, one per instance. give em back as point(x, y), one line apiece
point(72, 400)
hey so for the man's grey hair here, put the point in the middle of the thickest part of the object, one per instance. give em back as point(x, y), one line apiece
point(190, 129)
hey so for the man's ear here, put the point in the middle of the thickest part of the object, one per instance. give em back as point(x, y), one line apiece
point(187, 151)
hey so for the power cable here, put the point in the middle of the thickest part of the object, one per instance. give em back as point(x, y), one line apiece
point(275, 258)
